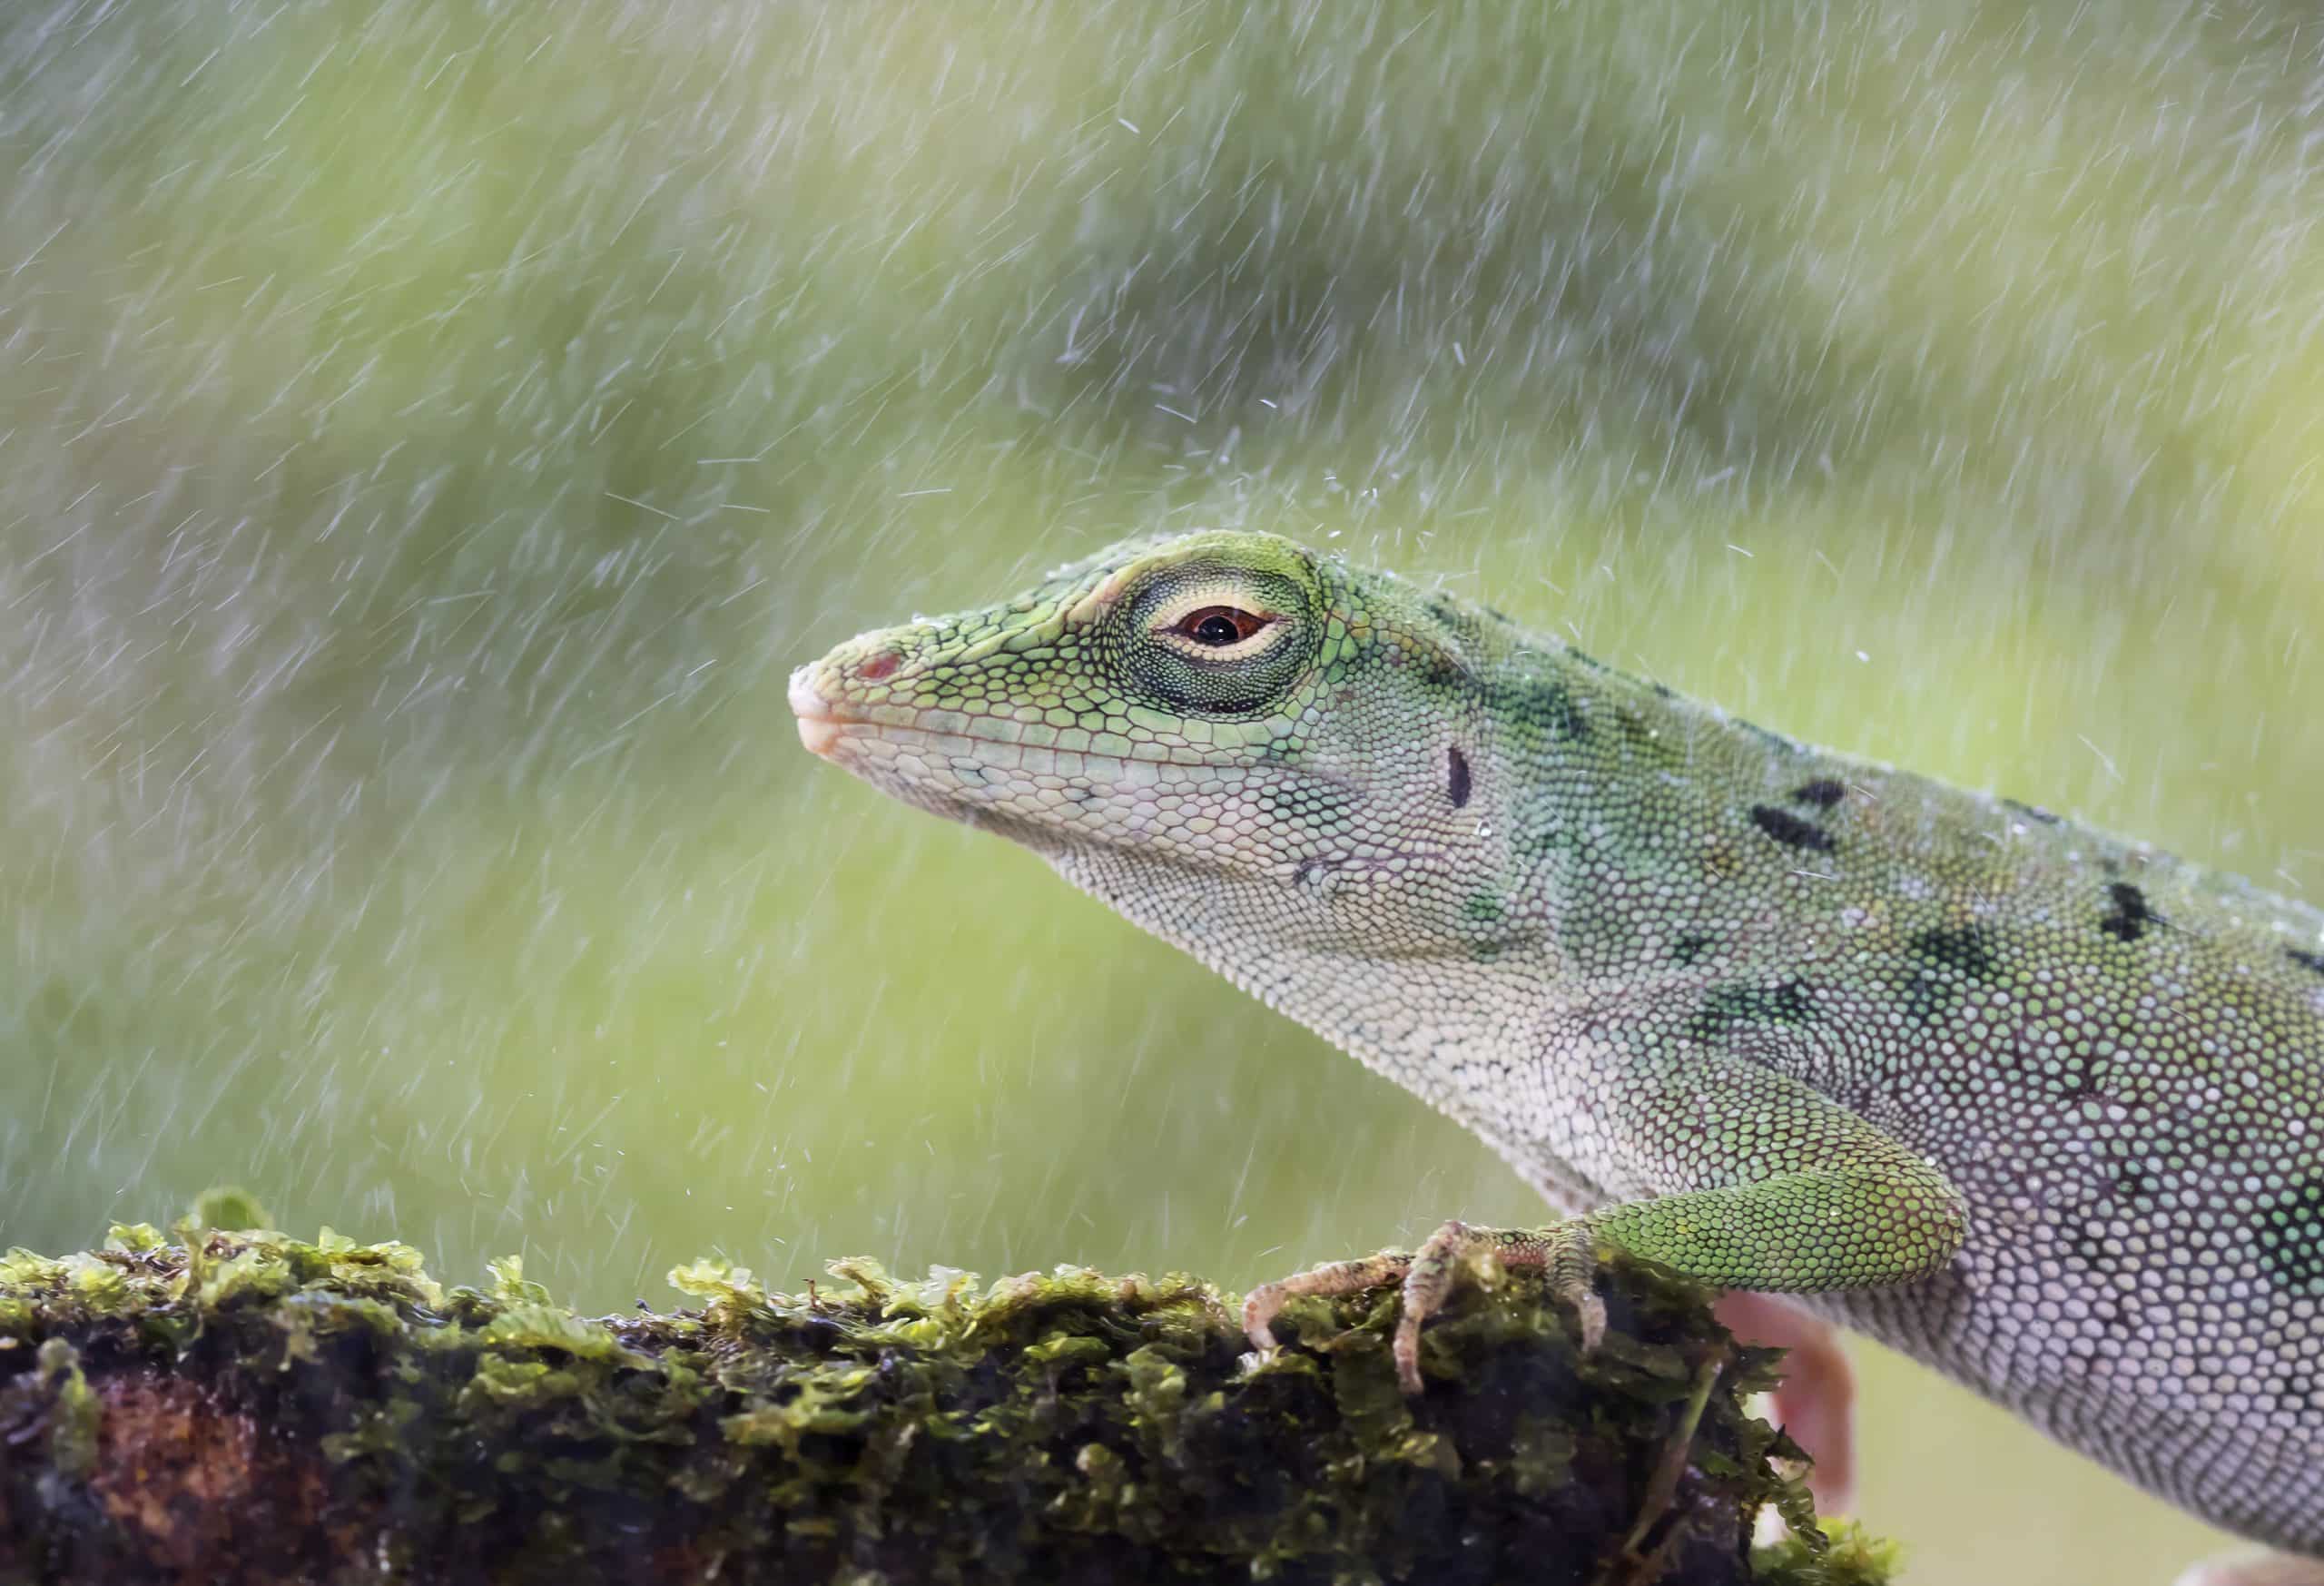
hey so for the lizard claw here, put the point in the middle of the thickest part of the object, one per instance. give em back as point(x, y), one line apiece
point(1568, 1255)
point(1563, 1252)
point(1590, 1311)
point(1427, 1278)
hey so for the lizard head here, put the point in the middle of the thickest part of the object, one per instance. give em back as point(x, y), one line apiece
point(1220, 712)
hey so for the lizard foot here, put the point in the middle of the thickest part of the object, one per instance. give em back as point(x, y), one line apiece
point(1428, 1275)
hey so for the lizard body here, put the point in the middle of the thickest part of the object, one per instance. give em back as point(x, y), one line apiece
point(2042, 1108)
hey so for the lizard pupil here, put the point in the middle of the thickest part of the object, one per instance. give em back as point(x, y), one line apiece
point(1218, 626)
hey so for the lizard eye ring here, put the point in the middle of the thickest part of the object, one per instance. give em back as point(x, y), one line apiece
point(1219, 627)
point(1217, 642)
point(1216, 626)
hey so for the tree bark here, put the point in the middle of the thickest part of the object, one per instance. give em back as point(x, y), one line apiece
point(214, 1405)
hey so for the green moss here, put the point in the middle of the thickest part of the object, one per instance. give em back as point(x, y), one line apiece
point(22, 1271)
point(1848, 1557)
point(230, 1206)
point(1058, 1426)
point(534, 1325)
point(72, 1409)
point(133, 1238)
point(509, 1285)
point(818, 1403)
point(1540, 1454)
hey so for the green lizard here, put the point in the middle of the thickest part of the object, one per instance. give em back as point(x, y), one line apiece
point(2039, 1107)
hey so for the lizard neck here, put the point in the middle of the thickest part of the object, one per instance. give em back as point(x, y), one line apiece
point(1453, 1022)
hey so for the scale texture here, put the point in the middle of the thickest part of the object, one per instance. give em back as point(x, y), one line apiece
point(2039, 1107)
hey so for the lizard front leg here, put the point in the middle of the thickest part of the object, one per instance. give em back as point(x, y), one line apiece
point(1757, 1182)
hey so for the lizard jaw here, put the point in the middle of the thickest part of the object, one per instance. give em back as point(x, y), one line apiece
point(820, 731)
point(820, 735)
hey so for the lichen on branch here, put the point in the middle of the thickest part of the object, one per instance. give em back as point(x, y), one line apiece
point(226, 1402)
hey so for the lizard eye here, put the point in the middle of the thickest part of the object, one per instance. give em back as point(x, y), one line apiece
point(1217, 626)
point(1218, 641)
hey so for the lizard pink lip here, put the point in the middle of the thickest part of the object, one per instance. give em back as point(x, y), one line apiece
point(820, 735)
point(820, 731)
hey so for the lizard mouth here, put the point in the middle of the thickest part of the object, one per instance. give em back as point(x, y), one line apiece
point(821, 728)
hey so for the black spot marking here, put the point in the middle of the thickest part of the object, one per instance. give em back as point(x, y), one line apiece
point(1823, 793)
point(2289, 1388)
point(2081, 1078)
point(2290, 1234)
point(1456, 777)
point(2032, 812)
point(2306, 959)
point(1307, 869)
point(1788, 1003)
point(1968, 949)
point(2089, 1245)
point(2130, 1182)
point(1546, 704)
point(1498, 614)
point(1791, 1002)
point(1634, 728)
point(1791, 830)
point(1592, 662)
point(1445, 671)
point(2132, 916)
point(1925, 997)
point(1541, 841)
point(1446, 612)
point(1309, 804)
point(1686, 949)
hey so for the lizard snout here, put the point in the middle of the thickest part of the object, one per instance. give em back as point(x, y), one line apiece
point(818, 729)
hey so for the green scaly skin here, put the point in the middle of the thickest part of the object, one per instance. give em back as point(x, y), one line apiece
point(2039, 1107)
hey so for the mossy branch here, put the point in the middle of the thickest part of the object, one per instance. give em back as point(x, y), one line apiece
point(222, 1405)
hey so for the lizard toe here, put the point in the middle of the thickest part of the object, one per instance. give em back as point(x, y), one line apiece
point(1264, 1303)
point(1260, 1307)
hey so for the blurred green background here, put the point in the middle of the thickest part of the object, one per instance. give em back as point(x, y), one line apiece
point(429, 435)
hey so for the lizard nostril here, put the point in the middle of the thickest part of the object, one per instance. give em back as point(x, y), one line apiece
point(878, 667)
